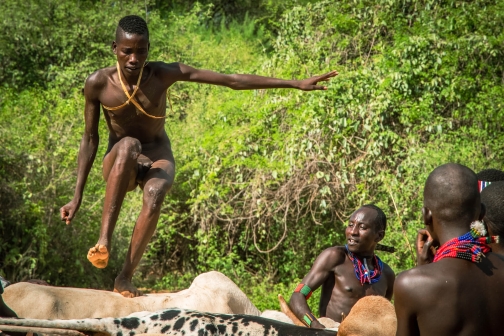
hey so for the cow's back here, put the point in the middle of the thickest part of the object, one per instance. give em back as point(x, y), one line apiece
point(48, 302)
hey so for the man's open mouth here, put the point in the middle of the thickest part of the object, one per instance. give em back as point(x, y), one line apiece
point(352, 241)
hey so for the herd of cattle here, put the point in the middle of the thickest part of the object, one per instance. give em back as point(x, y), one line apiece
point(212, 305)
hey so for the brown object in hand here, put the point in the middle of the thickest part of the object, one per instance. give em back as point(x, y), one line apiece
point(284, 307)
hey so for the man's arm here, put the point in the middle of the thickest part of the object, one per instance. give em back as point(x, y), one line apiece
point(405, 304)
point(182, 72)
point(322, 268)
point(88, 145)
point(389, 273)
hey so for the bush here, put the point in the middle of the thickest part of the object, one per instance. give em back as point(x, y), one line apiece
point(266, 179)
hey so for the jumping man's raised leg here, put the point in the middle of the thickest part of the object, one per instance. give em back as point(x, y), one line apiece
point(119, 170)
point(156, 184)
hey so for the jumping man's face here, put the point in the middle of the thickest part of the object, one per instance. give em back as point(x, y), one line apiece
point(132, 51)
point(361, 234)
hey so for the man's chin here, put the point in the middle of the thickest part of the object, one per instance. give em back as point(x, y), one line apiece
point(353, 248)
point(358, 250)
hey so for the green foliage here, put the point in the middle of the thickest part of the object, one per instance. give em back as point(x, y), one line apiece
point(265, 179)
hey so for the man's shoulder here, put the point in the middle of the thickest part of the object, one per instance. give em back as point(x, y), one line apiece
point(99, 77)
point(388, 271)
point(335, 250)
point(425, 277)
point(160, 67)
point(337, 254)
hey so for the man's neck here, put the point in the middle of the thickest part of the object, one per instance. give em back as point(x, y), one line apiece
point(129, 79)
point(449, 231)
point(498, 248)
point(365, 255)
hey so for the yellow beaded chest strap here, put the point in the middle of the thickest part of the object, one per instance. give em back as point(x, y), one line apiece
point(131, 98)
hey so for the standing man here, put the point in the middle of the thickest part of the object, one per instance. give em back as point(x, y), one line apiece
point(347, 273)
point(457, 291)
point(493, 199)
point(133, 96)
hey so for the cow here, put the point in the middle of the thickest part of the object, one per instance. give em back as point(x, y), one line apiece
point(210, 292)
point(166, 322)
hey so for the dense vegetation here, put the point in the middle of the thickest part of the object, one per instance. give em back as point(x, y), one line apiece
point(265, 179)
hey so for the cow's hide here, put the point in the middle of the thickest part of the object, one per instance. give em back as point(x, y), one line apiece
point(174, 322)
point(210, 292)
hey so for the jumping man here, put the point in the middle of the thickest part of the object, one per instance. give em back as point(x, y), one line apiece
point(347, 273)
point(133, 97)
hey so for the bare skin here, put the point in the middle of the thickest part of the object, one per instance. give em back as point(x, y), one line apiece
point(334, 271)
point(451, 296)
point(136, 140)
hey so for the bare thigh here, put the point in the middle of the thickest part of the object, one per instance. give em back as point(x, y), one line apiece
point(162, 166)
point(110, 159)
point(155, 161)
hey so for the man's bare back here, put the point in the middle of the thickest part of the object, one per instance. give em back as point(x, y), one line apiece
point(451, 296)
point(139, 151)
point(334, 270)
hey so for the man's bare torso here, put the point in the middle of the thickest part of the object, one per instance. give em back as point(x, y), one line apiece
point(341, 292)
point(129, 121)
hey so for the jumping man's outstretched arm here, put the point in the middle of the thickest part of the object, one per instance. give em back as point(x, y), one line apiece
point(88, 146)
point(322, 268)
point(182, 72)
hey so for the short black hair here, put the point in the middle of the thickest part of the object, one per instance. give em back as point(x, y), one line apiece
point(451, 194)
point(493, 199)
point(490, 175)
point(133, 24)
point(380, 220)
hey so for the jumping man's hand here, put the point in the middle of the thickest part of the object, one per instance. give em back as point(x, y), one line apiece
point(69, 210)
point(425, 249)
point(309, 84)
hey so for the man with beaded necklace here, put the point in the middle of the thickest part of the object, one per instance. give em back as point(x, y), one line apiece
point(457, 290)
point(347, 273)
point(133, 97)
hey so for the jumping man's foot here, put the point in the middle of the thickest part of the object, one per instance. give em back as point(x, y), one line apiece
point(124, 287)
point(98, 256)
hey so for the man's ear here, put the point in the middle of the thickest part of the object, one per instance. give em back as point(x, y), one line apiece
point(427, 216)
point(379, 236)
point(114, 47)
point(482, 212)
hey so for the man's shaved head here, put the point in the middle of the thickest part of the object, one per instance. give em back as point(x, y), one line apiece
point(132, 24)
point(493, 198)
point(451, 194)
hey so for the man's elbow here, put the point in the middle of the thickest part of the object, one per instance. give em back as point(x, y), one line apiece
point(234, 83)
point(90, 140)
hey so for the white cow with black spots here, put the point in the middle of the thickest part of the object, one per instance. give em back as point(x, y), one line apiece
point(167, 322)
